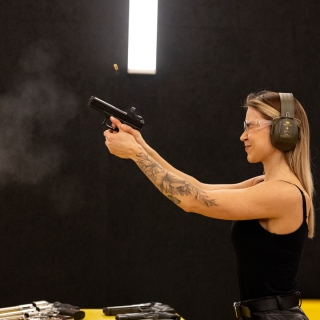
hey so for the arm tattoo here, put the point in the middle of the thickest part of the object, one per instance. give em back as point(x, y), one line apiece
point(174, 200)
point(170, 184)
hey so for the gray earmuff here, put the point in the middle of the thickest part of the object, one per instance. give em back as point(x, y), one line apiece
point(284, 131)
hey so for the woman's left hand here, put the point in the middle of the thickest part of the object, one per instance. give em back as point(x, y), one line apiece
point(121, 144)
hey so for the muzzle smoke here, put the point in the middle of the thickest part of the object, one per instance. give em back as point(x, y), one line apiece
point(33, 115)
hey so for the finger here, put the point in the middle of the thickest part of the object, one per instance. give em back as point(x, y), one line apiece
point(127, 128)
point(107, 133)
point(115, 122)
point(130, 130)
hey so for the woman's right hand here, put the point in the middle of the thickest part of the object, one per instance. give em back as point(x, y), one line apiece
point(135, 133)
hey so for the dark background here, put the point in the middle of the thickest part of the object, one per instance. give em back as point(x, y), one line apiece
point(80, 226)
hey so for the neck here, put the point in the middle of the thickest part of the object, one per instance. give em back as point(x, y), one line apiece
point(276, 167)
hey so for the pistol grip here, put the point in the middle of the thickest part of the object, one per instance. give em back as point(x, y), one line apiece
point(74, 313)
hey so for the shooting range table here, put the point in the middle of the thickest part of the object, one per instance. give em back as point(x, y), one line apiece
point(310, 307)
point(97, 314)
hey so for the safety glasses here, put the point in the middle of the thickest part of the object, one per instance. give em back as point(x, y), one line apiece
point(250, 125)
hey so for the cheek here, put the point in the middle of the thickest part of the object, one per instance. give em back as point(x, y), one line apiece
point(267, 140)
point(262, 144)
point(266, 143)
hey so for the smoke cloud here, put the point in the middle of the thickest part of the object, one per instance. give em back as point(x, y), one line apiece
point(33, 114)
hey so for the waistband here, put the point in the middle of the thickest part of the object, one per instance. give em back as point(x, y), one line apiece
point(246, 307)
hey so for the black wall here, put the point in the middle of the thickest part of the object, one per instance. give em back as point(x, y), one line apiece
point(80, 226)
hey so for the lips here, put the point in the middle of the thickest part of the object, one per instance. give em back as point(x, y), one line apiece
point(246, 147)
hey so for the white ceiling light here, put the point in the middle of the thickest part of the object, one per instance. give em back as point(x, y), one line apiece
point(142, 44)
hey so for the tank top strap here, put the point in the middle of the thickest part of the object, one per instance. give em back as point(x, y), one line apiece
point(303, 201)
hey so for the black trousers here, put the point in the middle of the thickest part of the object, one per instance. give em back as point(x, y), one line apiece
point(294, 313)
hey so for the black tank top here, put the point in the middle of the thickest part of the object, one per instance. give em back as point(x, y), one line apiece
point(267, 263)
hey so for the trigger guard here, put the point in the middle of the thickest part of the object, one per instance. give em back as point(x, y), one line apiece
point(108, 126)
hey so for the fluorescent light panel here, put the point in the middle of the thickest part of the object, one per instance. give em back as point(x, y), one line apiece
point(142, 46)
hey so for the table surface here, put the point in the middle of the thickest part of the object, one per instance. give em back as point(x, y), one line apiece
point(310, 307)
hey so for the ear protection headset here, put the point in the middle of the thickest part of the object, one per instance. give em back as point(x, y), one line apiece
point(285, 131)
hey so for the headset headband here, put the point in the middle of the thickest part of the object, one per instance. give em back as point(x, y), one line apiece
point(287, 105)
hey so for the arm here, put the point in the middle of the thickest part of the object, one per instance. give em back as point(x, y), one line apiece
point(256, 202)
point(163, 163)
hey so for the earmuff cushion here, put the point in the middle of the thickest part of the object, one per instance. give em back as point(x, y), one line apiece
point(284, 134)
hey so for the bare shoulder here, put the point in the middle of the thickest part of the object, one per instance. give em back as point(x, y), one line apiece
point(287, 195)
point(289, 206)
point(281, 190)
point(287, 189)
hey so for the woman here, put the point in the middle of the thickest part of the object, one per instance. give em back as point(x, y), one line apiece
point(273, 213)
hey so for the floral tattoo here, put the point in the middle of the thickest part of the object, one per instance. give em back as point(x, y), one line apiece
point(170, 184)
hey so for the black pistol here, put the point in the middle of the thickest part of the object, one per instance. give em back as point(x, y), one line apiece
point(69, 310)
point(148, 315)
point(127, 117)
point(150, 310)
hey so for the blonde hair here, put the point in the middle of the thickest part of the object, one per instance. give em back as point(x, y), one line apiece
point(298, 159)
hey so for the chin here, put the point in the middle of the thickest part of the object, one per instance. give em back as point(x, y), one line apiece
point(252, 160)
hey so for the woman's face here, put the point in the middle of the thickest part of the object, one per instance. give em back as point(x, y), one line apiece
point(256, 138)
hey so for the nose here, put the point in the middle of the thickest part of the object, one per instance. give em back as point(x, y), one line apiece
point(244, 136)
